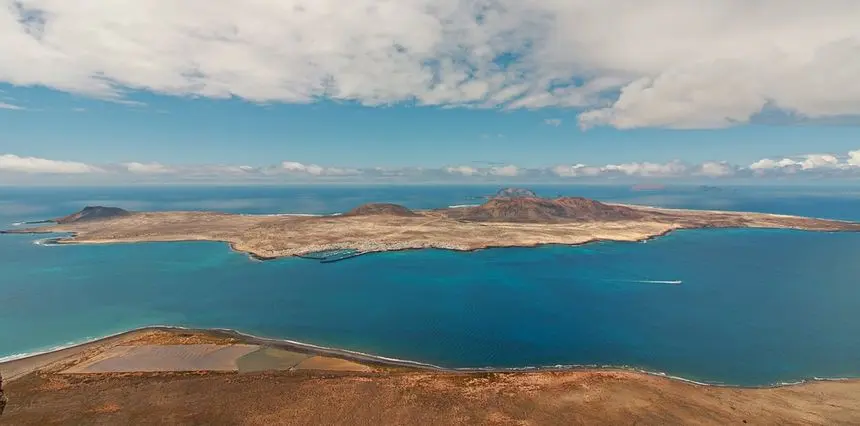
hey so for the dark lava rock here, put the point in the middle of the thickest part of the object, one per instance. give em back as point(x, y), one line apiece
point(544, 210)
point(90, 213)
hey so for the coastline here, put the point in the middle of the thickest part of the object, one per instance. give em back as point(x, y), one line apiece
point(69, 240)
point(267, 237)
point(569, 394)
point(274, 238)
point(20, 365)
point(68, 236)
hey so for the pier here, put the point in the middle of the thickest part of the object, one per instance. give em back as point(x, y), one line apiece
point(331, 256)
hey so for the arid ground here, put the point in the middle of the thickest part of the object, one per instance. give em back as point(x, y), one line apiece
point(374, 228)
point(371, 393)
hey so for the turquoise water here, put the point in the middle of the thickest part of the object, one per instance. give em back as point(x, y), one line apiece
point(755, 307)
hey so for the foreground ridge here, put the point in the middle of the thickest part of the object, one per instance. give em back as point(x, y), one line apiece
point(147, 376)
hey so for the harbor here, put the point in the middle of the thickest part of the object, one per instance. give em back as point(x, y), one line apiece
point(332, 256)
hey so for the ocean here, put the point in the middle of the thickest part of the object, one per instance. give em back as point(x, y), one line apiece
point(753, 307)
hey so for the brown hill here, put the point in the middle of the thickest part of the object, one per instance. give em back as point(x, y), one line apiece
point(380, 209)
point(544, 210)
point(90, 213)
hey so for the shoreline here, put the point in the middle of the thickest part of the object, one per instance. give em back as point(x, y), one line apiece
point(267, 237)
point(58, 353)
point(69, 240)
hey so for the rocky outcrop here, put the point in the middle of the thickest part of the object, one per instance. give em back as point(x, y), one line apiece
point(91, 213)
point(544, 210)
point(380, 209)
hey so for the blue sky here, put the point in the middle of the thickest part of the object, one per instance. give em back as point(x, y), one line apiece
point(315, 91)
point(186, 130)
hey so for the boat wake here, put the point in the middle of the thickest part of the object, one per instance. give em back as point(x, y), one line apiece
point(667, 282)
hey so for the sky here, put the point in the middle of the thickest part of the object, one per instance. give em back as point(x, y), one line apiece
point(271, 91)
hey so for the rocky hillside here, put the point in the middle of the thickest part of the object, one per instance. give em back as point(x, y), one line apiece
point(380, 209)
point(90, 213)
point(544, 210)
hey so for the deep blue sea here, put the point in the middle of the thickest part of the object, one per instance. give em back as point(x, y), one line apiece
point(756, 307)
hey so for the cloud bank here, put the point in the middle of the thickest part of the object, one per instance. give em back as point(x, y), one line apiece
point(627, 64)
point(16, 164)
point(23, 170)
point(4, 105)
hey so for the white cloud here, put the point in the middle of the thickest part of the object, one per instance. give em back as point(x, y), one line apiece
point(646, 169)
point(18, 169)
point(575, 170)
point(14, 163)
point(677, 63)
point(554, 122)
point(566, 171)
point(339, 171)
point(715, 169)
point(462, 170)
point(814, 161)
point(4, 105)
point(803, 162)
point(147, 168)
point(696, 99)
point(854, 158)
point(509, 170)
point(221, 169)
point(768, 164)
point(294, 167)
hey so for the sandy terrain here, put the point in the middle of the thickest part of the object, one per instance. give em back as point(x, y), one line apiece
point(279, 236)
point(397, 395)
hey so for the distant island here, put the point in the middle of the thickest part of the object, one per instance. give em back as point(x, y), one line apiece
point(512, 218)
point(709, 188)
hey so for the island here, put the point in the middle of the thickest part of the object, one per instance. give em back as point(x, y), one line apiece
point(513, 218)
point(166, 375)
